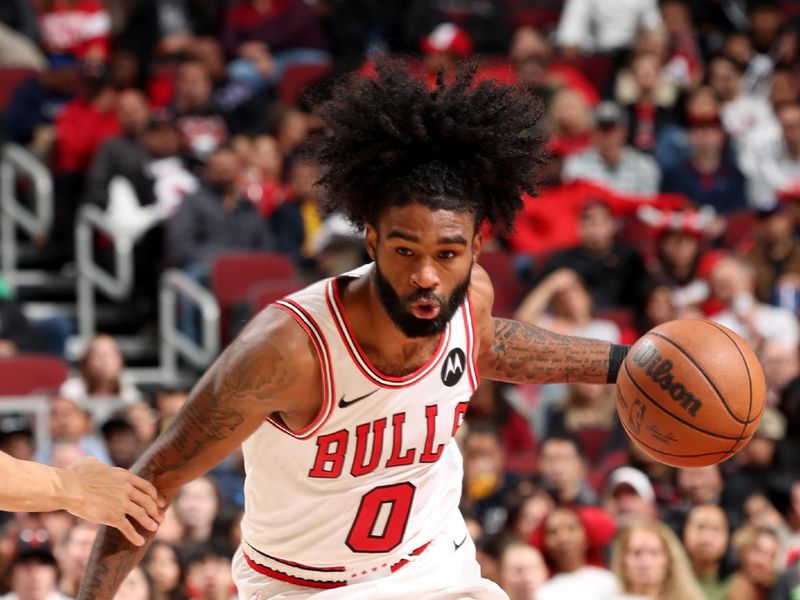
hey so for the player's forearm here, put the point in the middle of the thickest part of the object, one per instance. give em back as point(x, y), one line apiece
point(524, 353)
point(32, 487)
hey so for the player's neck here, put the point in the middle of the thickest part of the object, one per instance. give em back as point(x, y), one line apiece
point(384, 343)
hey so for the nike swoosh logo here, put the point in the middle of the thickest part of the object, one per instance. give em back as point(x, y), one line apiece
point(461, 544)
point(345, 403)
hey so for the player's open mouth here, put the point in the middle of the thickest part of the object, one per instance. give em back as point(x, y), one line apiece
point(425, 310)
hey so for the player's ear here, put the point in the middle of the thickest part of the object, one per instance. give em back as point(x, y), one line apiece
point(477, 244)
point(371, 240)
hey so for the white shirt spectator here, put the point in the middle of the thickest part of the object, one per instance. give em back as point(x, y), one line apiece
point(587, 583)
point(636, 172)
point(771, 322)
point(605, 25)
point(775, 170)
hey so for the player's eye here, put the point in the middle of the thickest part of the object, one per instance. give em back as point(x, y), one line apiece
point(404, 251)
point(445, 254)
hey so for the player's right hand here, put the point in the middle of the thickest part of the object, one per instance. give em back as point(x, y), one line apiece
point(110, 495)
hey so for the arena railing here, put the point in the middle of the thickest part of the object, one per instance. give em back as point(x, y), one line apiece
point(91, 276)
point(16, 161)
point(174, 343)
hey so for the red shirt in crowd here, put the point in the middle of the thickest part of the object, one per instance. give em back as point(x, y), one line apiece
point(78, 27)
point(80, 129)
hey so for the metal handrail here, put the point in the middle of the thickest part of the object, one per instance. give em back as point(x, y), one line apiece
point(90, 275)
point(174, 343)
point(38, 406)
point(13, 161)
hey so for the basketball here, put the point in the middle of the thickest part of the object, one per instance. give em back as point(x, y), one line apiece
point(690, 393)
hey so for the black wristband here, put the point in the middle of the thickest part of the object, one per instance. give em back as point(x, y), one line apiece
point(616, 355)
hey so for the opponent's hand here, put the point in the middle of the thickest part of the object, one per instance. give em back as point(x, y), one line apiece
point(109, 495)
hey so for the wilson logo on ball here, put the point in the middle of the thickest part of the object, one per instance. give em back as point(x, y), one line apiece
point(659, 370)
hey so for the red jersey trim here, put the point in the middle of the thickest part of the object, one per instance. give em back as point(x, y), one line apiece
point(316, 583)
point(280, 576)
point(472, 334)
point(290, 563)
point(360, 358)
point(299, 314)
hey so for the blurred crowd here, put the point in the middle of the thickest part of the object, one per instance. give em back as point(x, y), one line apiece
point(671, 188)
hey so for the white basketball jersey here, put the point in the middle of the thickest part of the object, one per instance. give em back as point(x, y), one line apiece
point(377, 474)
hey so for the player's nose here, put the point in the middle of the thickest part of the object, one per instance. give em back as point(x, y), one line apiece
point(425, 275)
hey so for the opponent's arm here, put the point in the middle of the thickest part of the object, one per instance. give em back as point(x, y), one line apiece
point(519, 352)
point(259, 374)
point(88, 489)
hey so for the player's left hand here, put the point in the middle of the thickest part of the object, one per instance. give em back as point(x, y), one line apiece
point(110, 495)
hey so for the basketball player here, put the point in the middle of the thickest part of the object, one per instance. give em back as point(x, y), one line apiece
point(347, 395)
point(89, 489)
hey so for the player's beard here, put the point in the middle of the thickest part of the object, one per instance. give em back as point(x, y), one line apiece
point(410, 325)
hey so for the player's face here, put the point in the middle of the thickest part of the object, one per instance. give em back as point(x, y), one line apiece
point(423, 260)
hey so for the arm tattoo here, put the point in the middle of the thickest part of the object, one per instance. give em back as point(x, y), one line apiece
point(223, 410)
point(524, 353)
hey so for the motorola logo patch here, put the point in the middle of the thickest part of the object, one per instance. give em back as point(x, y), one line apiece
point(453, 367)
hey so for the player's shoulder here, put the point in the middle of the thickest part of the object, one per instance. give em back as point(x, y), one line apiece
point(274, 328)
point(481, 291)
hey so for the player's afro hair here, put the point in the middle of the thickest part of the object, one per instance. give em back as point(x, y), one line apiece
point(390, 140)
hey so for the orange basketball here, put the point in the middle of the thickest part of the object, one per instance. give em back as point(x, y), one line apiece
point(690, 393)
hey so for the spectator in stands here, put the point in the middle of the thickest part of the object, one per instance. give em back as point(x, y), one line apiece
point(168, 402)
point(263, 172)
point(562, 303)
point(732, 284)
point(36, 103)
point(611, 270)
point(708, 176)
point(679, 238)
point(700, 485)
point(33, 572)
point(648, 100)
point(196, 507)
point(156, 31)
point(758, 463)
point(777, 169)
point(781, 364)
point(78, 27)
point(522, 571)
point(215, 219)
point(746, 118)
point(16, 437)
point(759, 551)
point(170, 529)
point(610, 162)
point(145, 420)
point(604, 26)
point(71, 423)
point(123, 155)
point(135, 586)
point(208, 573)
point(486, 23)
point(683, 64)
point(199, 120)
point(629, 497)
point(588, 413)
point(562, 468)
point(123, 445)
point(84, 124)
point(650, 563)
point(527, 506)
point(73, 556)
point(571, 540)
point(653, 305)
point(491, 403)
point(17, 333)
point(486, 482)
point(571, 123)
point(101, 373)
point(705, 536)
point(269, 36)
point(163, 565)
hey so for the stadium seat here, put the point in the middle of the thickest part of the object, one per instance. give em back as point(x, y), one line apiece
point(265, 293)
point(296, 78)
point(10, 80)
point(32, 373)
point(508, 289)
point(234, 274)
